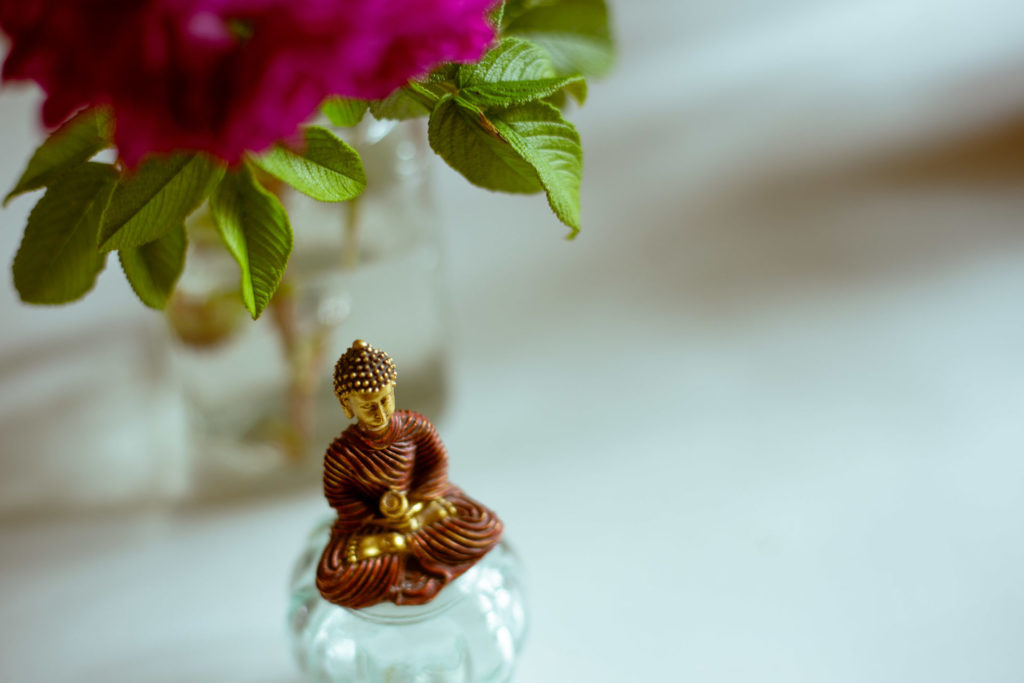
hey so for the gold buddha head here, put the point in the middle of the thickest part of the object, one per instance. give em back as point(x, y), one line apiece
point(364, 382)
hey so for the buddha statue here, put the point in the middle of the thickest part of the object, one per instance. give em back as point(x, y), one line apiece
point(402, 531)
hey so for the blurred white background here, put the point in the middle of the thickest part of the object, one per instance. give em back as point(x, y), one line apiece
point(761, 421)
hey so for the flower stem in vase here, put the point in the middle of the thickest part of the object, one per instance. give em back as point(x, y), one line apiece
point(350, 241)
point(299, 415)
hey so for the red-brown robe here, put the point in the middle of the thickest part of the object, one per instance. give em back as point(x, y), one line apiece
point(409, 456)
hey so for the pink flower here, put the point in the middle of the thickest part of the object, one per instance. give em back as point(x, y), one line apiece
point(226, 76)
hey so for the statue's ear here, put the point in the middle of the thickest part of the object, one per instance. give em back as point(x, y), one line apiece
point(346, 407)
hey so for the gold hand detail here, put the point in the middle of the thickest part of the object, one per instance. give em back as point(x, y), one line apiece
point(414, 518)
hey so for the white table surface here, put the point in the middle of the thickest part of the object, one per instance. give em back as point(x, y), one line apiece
point(760, 422)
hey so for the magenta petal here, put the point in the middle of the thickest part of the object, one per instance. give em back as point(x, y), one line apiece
point(227, 76)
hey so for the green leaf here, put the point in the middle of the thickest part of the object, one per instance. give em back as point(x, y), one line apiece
point(551, 145)
point(512, 60)
point(515, 72)
point(510, 9)
point(75, 142)
point(153, 268)
point(255, 229)
point(525, 148)
point(401, 105)
point(574, 32)
point(328, 169)
point(445, 73)
point(527, 91)
point(497, 15)
point(155, 198)
point(418, 97)
point(469, 143)
point(557, 99)
point(57, 261)
point(344, 111)
point(576, 88)
point(414, 100)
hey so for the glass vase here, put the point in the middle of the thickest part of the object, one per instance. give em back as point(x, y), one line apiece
point(472, 632)
point(258, 394)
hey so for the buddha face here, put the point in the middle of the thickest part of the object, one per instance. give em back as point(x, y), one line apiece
point(373, 409)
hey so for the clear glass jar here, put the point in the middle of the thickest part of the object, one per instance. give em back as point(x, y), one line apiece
point(259, 396)
point(472, 632)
